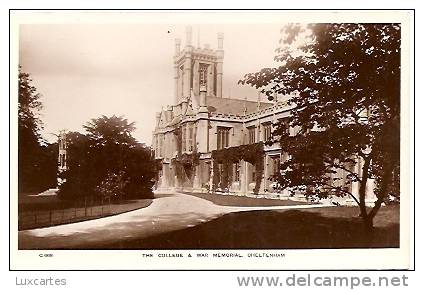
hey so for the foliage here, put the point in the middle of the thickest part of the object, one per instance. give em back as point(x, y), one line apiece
point(46, 176)
point(188, 158)
point(110, 131)
point(206, 186)
point(344, 83)
point(185, 163)
point(140, 169)
point(112, 186)
point(252, 153)
point(107, 148)
point(29, 106)
point(37, 160)
point(80, 175)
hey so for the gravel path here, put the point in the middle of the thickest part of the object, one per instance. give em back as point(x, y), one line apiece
point(170, 212)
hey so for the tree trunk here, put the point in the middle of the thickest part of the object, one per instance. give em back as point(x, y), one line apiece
point(363, 188)
point(366, 218)
point(368, 222)
point(382, 193)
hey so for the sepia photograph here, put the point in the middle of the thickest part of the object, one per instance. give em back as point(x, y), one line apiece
point(211, 139)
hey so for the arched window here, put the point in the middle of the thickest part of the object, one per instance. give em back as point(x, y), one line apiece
point(203, 74)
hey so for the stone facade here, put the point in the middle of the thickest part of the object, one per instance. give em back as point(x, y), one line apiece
point(62, 156)
point(201, 120)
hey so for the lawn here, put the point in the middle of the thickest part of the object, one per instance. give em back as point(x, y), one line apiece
point(332, 227)
point(44, 211)
point(231, 200)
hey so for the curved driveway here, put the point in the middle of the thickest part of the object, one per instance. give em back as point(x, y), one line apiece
point(169, 212)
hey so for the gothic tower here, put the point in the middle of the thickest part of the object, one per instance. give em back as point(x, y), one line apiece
point(197, 69)
point(62, 151)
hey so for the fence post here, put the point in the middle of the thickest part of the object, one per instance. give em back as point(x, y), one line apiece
point(85, 205)
point(50, 217)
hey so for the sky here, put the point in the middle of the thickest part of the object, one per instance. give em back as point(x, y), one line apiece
point(83, 71)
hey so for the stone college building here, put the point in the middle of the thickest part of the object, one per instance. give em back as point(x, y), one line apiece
point(208, 143)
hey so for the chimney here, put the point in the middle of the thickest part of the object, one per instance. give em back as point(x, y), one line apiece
point(220, 41)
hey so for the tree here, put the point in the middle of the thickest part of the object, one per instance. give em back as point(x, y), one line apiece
point(80, 176)
point(344, 86)
point(29, 106)
point(36, 158)
point(48, 165)
point(106, 151)
point(110, 131)
point(110, 142)
point(141, 170)
point(112, 186)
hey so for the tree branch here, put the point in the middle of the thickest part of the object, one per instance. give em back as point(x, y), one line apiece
point(351, 172)
point(345, 191)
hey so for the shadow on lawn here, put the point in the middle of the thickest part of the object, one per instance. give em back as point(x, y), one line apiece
point(292, 229)
point(162, 195)
point(244, 201)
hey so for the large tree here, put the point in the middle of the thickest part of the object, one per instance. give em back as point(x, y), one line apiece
point(36, 159)
point(107, 150)
point(119, 152)
point(344, 86)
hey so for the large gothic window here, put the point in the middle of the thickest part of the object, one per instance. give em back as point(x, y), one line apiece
point(203, 74)
point(223, 137)
point(267, 131)
point(252, 134)
point(190, 139)
point(161, 141)
point(275, 165)
point(183, 139)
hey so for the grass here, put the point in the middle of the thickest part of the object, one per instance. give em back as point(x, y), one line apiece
point(332, 227)
point(44, 211)
point(231, 200)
